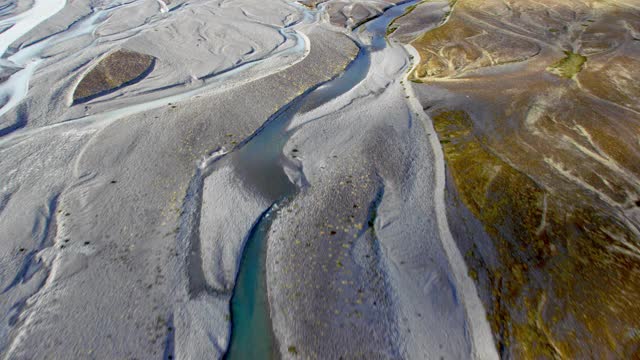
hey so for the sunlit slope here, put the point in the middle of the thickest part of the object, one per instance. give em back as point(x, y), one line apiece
point(540, 126)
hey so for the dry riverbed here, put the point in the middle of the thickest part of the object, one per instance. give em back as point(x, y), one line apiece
point(323, 179)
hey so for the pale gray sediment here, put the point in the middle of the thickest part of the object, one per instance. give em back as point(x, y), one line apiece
point(127, 200)
point(113, 263)
point(123, 242)
point(206, 49)
point(222, 232)
point(356, 264)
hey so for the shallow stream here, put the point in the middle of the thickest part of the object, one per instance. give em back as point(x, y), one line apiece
point(261, 161)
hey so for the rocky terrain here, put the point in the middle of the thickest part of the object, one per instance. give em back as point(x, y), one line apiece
point(536, 110)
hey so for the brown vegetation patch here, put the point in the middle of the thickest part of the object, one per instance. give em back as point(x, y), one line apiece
point(615, 80)
point(560, 290)
point(461, 45)
point(117, 69)
point(549, 164)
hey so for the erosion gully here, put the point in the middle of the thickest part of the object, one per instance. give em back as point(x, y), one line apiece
point(261, 160)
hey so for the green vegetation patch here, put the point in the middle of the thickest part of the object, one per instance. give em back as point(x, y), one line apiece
point(568, 66)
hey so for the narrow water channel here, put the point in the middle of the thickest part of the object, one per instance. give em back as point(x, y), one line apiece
point(260, 163)
point(251, 332)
